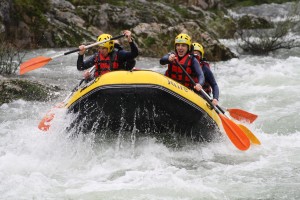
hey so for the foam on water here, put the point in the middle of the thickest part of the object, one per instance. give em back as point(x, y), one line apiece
point(268, 87)
point(39, 165)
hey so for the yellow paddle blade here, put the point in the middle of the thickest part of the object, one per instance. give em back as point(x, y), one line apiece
point(250, 135)
point(33, 63)
point(235, 134)
point(241, 115)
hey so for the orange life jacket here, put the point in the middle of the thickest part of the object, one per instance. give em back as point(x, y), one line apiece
point(176, 73)
point(104, 65)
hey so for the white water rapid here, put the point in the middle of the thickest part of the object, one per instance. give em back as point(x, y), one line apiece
point(35, 165)
point(38, 165)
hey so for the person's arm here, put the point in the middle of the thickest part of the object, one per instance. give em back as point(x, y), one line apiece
point(164, 60)
point(167, 59)
point(83, 65)
point(209, 77)
point(198, 70)
point(129, 55)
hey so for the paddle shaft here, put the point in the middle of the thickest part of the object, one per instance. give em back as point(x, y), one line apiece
point(79, 84)
point(235, 134)
point(88, 46)
point(207, 98)
point(249, 134)
point(74, 89)
point(45, 123)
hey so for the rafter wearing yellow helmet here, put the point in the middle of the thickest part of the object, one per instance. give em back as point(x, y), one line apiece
point(198, 47)
point(108, 58)
point(109, 45)
point(183, 46)
point(210, 86)
point(183, 38)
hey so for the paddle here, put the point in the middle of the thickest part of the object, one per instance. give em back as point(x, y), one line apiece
point(241, 115)
point(250, 135)
point(40, 61)
point(45, 123)
point(233, 131)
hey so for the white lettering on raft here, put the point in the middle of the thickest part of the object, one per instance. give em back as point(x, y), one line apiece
point(177, 85)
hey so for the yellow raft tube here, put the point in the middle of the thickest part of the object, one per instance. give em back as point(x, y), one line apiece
point(145, 103)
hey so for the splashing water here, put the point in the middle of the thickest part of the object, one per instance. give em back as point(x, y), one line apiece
point(38, 165)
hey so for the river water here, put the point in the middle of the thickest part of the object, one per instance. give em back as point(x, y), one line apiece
point(38, 165)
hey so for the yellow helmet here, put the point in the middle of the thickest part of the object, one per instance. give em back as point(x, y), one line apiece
point(109, 45)
point(183, 38)
point(198, 47)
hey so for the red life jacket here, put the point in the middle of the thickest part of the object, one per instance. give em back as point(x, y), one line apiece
point(176, 73)
point(104, 65)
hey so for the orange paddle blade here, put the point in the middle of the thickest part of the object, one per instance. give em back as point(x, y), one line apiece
point(241, 115)
point(33, 63)
point(250, 135)
point(235, 134)
point(45, 123)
